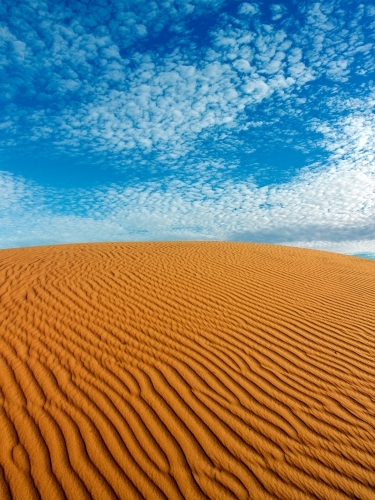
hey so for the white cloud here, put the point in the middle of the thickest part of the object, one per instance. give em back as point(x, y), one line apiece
point(15, 194)
point(331, 208)
point(99, 94)
point(277, 11)
point(258, 89)
point(248, 9)
point(82, 81)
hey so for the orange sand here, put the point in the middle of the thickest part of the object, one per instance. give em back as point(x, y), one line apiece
point(186, 370)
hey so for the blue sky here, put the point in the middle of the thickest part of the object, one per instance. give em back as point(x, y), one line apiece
point(188, 120)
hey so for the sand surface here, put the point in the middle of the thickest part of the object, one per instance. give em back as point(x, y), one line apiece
point(186, 370)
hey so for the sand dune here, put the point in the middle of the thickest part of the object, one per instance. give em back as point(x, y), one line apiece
point(186, 370)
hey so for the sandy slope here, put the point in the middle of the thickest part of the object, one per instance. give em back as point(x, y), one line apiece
point(186, 370)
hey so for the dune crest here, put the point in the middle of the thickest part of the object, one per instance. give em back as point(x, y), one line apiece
point(186, 370)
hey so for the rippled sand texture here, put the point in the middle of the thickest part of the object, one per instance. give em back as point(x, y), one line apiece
point(186, 370)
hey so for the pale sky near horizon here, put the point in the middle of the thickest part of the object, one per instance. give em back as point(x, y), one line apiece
point(188, 120)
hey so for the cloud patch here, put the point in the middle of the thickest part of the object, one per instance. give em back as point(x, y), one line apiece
point(181, 96)
point(331, 208)
point(76, 76)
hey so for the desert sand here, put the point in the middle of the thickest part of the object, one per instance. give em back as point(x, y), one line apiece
point(186, 370)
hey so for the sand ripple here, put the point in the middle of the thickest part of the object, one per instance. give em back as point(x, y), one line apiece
point(186, 370)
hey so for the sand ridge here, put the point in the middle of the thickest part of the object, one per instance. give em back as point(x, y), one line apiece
point(186, 370)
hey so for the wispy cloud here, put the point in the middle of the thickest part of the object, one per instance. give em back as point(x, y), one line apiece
point(190, 92)
point(95, 90)
point(331, 208)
